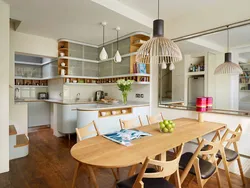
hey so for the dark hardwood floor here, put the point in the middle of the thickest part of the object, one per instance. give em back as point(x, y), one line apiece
point(49, 164)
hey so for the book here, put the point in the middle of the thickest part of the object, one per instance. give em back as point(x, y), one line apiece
point(125, 136)
point(141, 68)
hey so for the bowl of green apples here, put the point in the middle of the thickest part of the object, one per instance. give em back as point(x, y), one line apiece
point(167, 126)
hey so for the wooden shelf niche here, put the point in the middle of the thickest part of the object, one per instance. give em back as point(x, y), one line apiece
point(63, 47)
point(114, 112)
point(29, 82)
point(137, 79)
point(136, 42)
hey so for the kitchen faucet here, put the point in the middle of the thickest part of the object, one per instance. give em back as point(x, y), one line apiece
point(77, 96)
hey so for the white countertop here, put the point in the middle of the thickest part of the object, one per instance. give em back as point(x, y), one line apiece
point(89, 105)
point(96, 107)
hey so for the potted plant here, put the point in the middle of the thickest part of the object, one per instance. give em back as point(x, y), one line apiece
point(124, 86)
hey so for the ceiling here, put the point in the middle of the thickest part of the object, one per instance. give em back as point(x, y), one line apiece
point(73, 19)
point(169, 9)
point(190, 48)
point(237, 37)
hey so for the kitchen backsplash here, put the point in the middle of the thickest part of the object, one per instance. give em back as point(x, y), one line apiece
point(142, 90)
point(86, 92)
point(29, 92)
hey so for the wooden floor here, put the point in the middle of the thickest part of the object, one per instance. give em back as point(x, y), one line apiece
point(50, 164)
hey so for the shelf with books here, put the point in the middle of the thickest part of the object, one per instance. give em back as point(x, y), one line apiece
point(135, 43)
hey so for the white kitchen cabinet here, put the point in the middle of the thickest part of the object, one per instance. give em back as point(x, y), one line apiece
point(38, 114)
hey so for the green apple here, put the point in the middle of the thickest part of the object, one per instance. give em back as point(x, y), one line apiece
point(171, 130)
point(165, 130)
point(173, 125)
point(170, 121)
point(168, 126)
point(162, 125)
point(165, 122)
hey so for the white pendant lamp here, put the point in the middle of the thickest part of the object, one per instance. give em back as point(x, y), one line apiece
point(159, 48)
point(164, 65)
point(103, 55)
point(171, 67)
point(117, 58)
point(228, 67)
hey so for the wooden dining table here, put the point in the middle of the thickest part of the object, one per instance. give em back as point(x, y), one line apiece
point(101, 152)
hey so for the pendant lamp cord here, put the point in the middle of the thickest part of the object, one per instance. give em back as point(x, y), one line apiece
point(103, 33)
point(158, 9)
point(117, 38)
point(228, 39)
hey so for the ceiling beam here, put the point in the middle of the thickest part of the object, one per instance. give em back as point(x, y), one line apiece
point(126, 11)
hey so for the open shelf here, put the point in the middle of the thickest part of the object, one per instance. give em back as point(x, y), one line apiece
point(138, 79)
point(114, 112)
point(196, 73)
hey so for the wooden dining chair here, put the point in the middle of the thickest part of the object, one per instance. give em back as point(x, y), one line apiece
point(150, 177)
point(130, 124)
point(228, 156)
point(155, 119)
point(202, 169)
point(85, 133)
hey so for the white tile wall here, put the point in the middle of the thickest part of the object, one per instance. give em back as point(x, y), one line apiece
point(30, 92)
point(55, 88)
point(114, 92)
point(86, 92)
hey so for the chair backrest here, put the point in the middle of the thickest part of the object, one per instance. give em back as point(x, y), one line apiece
point(235, 136)
point(209, 153)
point(86, 132)
point(168, 168)
point(155, 119)
point(129, 124)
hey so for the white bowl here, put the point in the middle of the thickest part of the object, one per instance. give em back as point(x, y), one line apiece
point(62, 64)
point(124, 111)
point(103, 113)
point(113, 112)
point(62, 54)
point(74, 81)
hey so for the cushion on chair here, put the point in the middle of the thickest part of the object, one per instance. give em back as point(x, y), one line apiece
point(148, 182)
point(231, 155)
point(206, 168)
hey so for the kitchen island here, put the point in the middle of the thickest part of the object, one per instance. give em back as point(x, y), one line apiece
point(107, 116)
point(67, 115)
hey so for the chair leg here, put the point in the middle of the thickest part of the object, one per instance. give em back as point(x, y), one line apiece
point(227, 174)
point(241, 171)
point(218, 177)
point(75, 174)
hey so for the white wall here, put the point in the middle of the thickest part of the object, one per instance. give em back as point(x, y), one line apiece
point(4, 85)
point(26, 44)
point(197, 22)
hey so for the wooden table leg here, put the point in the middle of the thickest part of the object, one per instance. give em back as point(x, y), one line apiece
point(75, 174)
point(92, 176)
point(132, 170)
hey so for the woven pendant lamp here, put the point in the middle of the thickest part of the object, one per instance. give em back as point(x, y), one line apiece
point(228, 67)
point(161, 49)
